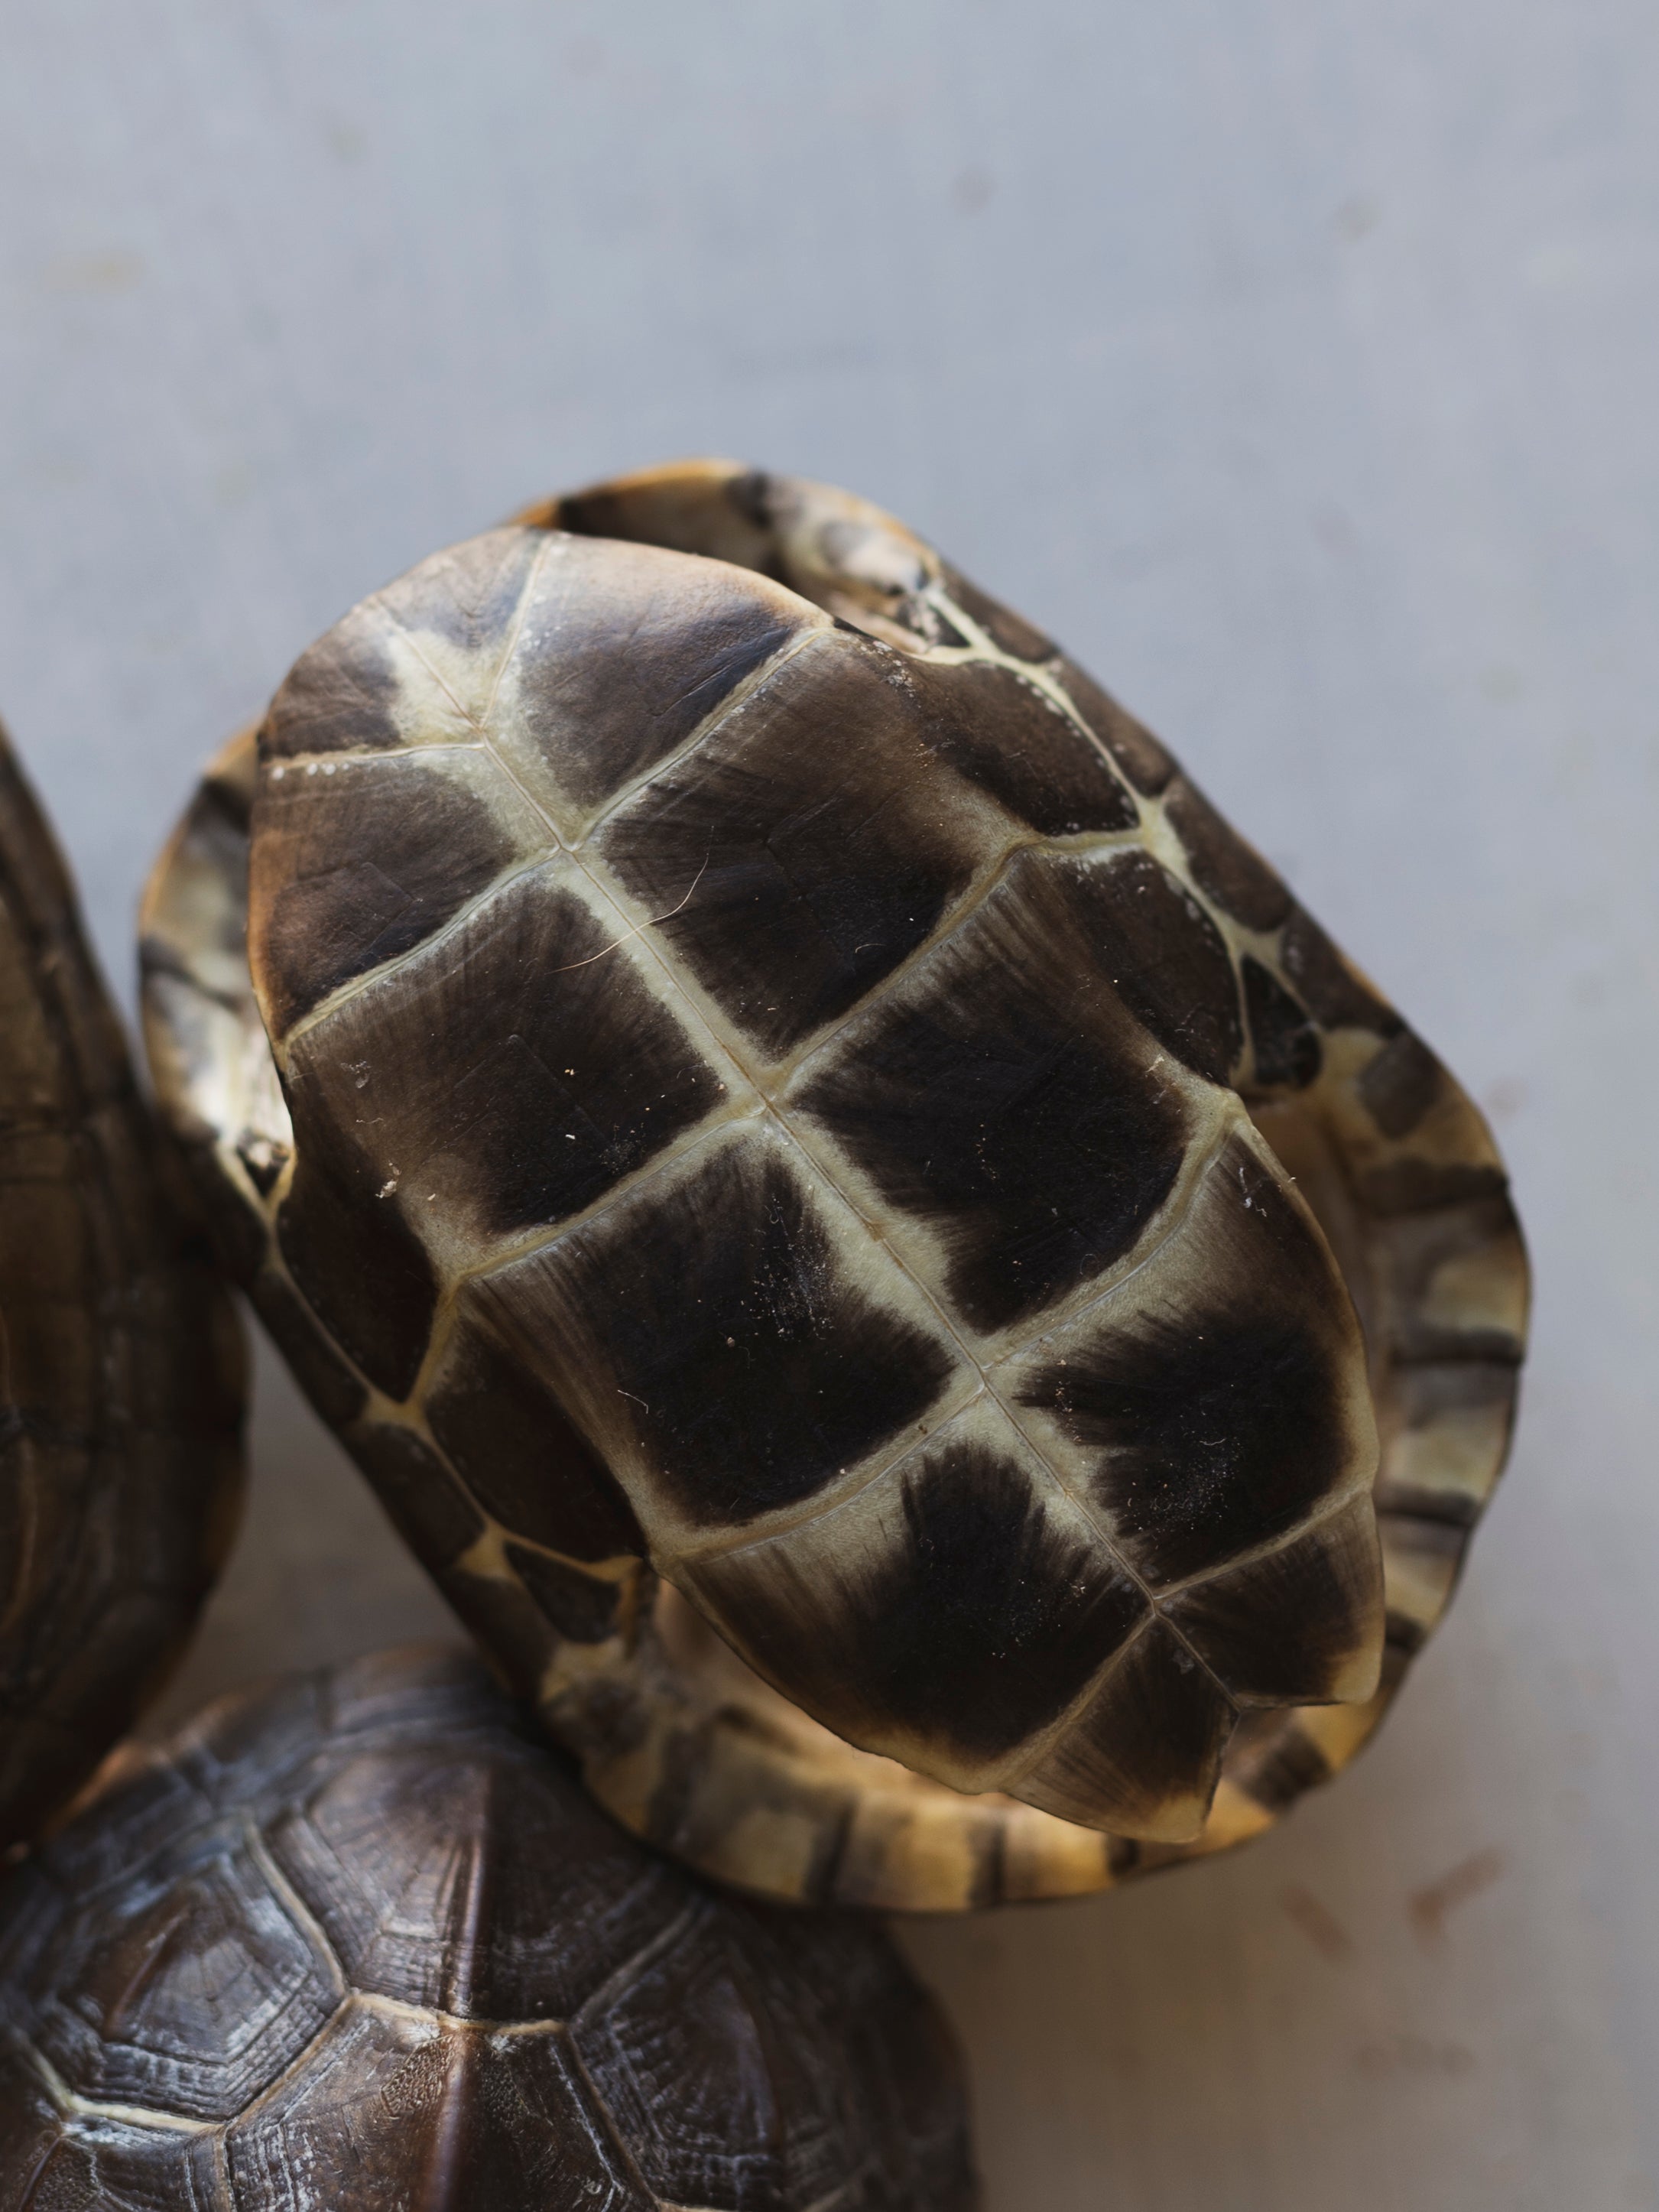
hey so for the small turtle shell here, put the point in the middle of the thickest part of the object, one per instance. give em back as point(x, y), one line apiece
point(765, 1075)
point(121, 1376)
point(354, 1942)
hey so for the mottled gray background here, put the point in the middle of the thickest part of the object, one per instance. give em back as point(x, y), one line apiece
point(1297, 365)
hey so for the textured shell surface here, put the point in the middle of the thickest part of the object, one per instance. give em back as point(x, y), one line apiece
point(354, 1940)
point(775, 1081)
point(120, 1364)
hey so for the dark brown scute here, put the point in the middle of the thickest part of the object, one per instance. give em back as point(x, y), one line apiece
point(583, 1608)
point(626, 650)
point(513, 1445)
point(426, 1506)
point(1154, 1732)
point(1333, 992)
point(339, 697)
point(749, 1392)
point(1272, 1763)
point(504, 1077)
point(1163, 954)
point(999, 732)
point(361, 866)
point(799, 852)
point(1401, 1085)
point(1322, 1582)
point(1410, 1249)
point(338, 1394)
point(469, 595)
point(1003, 1094)
point(1212, 1426)
point(1226, 869)
point(1288, 1053)
point(360, 1267)
point(1416, 1186)
point(1148, 765)
point(970, 1622)
point(724, 518)
point(380, 1947)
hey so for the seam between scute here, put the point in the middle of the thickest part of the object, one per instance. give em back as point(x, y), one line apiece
point(70, 2105)
point(978, 1369)
point(460, 2023)
point(1236, 1698)
point(673, 1155)
point(823, 1501)
point(339, 757)
point(728, 705)
point(300, 2059)
point(1032, 1755)
point(260, 1851)
point(655, 1946)
point(732, 702)
point(790, 1065)
point(621, 2151)
point(829, 1498)
point(344, 994)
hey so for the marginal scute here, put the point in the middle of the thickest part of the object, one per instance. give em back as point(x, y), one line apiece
point(999, 732)
point(1009, 632)
point(1331, 987)
point(1401, 1084)
point(428, 1508)
point(581, 1607)
point(362, 1269)
point(517, 1449)
point(1231, 872)
point(1286, 1044)
point(1003, 1096)
point(1165, 956)
point(1148, 765)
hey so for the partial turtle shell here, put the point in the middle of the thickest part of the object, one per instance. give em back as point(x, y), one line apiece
point(764, 1073)
point(121, 1379)
point(354, 1942)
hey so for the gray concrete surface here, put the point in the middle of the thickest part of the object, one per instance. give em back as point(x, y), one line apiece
point(1297, 366)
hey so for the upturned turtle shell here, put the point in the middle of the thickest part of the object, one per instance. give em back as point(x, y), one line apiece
point(355, 1943)
point(756, 1072)
point(120, 1361)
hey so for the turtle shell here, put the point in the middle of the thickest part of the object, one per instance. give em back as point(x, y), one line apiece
point(354, 1942)
point(120, 1362)
point(775, 1081)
